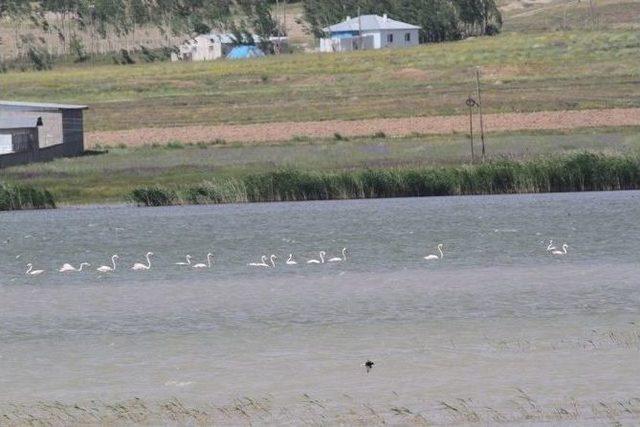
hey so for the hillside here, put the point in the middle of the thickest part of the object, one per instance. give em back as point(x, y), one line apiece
point(520, 72)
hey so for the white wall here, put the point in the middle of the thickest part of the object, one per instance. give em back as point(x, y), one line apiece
point(377, 40)
point(399, 38)
point(347, 44)
point(373, 40)
point(6, 144)
point(199, 49)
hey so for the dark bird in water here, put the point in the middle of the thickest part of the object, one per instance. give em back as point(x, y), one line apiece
point(368, 365)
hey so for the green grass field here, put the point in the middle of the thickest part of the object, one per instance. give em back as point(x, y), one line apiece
point(109, 178)
point(521, 72)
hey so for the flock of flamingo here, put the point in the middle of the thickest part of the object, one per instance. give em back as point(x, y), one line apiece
point(265, 261)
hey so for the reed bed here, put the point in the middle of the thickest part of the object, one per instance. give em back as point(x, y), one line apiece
point(577, 172)
point(520, 408)
point(19, 197)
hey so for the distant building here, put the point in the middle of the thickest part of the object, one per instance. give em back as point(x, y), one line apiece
point(209, 47)
point(31, 132)
point(205, 47)
point(369, 32)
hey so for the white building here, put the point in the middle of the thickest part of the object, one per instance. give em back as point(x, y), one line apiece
point(205, 47)
point(208, 47)
point(369, 32)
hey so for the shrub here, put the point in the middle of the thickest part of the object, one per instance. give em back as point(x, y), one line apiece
point(17, 197)
point(154, 196)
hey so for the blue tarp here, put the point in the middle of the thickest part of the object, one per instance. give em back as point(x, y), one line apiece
point(243, 52)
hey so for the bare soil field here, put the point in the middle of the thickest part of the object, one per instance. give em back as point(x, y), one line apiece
point(433, 125)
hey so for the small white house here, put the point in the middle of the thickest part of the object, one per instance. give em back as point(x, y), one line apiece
point(369, 32)
point(206, 47)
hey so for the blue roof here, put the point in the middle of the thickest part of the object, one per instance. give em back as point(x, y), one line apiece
point(243, 52)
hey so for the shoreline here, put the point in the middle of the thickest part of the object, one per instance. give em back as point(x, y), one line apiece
point(520, 408)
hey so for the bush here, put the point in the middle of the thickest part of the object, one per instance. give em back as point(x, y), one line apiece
point(18, 197)
point(154, 196)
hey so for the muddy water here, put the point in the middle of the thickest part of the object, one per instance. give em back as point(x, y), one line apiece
point(498, 323)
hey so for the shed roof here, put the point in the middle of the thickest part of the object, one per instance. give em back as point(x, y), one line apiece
point(16, 122)
point(370, 23)
point(34, 106)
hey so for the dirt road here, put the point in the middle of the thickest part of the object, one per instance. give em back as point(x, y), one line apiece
point(432, 125)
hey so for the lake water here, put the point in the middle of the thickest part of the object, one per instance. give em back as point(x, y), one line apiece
point(498, 330)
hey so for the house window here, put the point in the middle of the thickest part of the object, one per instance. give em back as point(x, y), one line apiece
point(389, 38)
point(407, 37)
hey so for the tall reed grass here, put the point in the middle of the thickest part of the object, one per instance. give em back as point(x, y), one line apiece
point(17, 197)
point(578, 172)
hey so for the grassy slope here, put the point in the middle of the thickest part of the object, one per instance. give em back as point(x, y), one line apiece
point(522, 72)
point(563, 15)
point(110, 177)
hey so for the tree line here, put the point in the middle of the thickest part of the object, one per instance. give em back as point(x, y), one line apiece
point(77, 28)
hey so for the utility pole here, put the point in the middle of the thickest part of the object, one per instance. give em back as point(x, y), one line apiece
point(471, 103)
point(480, 110)
point(359, 30)
point(592, 13)
point(284, 17)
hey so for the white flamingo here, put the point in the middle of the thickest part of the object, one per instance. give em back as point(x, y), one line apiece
point(263, 262)
point(562, 252)
point(69, 268)
point(31, 272)
point(188, 262)
point(318, 261)
point(108, 269)
point(291, 261)
point(551, 247)
point(141, 267)
point(207, 265)
point(433, 257)
point(338, 259)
